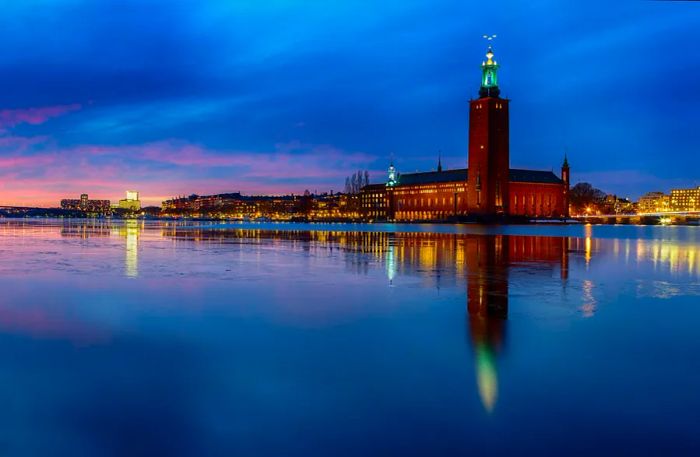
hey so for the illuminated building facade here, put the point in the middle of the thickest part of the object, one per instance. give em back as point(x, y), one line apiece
point(321, 207)
point(87, 205)
point(653, 202)
point(374, 201)
point(680, 200)
point(487, 188)
point(131, 202)
point(685, 199)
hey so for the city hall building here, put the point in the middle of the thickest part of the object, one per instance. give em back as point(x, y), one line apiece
point(488, 188)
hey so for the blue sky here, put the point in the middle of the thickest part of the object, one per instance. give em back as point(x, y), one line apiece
point(180, 97)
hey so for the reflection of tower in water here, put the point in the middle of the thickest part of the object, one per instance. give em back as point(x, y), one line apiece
point(488, 259)
point(487, 303)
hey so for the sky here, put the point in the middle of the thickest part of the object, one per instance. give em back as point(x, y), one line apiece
point(178, 97)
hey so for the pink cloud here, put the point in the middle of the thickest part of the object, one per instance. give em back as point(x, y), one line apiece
point(34, 116)
point(18, 162)
point(161, 170)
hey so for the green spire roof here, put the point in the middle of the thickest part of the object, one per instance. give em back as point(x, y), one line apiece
point(489, 76)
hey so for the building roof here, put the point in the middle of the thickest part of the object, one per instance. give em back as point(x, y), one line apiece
point(460, 174)
point(538, 176)
point(430, 177)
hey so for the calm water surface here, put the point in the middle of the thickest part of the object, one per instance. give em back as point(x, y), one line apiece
point(132, 338)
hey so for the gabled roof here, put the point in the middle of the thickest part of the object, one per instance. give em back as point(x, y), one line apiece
point(430, 177)
point(460, 174)
point(537, 176)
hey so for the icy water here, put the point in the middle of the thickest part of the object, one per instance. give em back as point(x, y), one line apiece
point(155, 339)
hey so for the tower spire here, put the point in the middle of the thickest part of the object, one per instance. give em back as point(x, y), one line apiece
point(489, 73)
point(439, 160)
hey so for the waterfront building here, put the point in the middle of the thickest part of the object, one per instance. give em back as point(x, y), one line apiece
point(654, 202)
point(86, 205)
point(685, 199)
point(195, 203)
point(333, 207)
point(374, 201)
point(617, 205)
point(234, 206)
point(131, 202)
point(487, 188)
point(317, 207)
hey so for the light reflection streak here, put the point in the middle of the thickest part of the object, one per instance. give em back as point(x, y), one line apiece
point(674, 257)
point(130, 230)
point(589, 306)
point(390, 261)
point(131, 262)
point(588, 233)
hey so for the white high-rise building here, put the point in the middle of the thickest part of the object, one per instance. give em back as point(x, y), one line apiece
point(131, 202)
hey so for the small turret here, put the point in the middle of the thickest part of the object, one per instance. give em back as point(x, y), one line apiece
point(392, 178)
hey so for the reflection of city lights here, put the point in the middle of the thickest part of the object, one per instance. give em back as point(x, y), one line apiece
point(587, 253)
point(675, 257)
point(428, 255)
point(691, 261)
point(390, 264)
point(486, 376)
point(589, 302)
point(588, 231)
point(132, 249)
point(460, 257)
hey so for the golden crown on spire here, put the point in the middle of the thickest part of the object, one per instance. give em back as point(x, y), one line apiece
point(489, 57)
point(489, 53)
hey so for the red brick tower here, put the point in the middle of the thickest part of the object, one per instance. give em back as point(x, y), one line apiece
point(489, 157)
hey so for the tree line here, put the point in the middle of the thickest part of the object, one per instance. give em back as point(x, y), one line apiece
point(355, 182)
point(583, 196)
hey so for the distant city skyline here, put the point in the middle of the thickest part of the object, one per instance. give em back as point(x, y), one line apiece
point(212, 97)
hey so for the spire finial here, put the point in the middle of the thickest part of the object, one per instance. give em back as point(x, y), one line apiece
point(439, 160)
